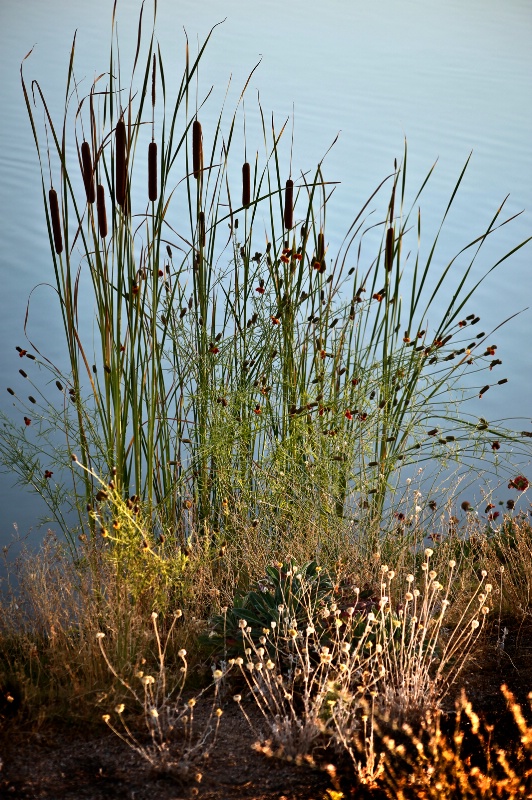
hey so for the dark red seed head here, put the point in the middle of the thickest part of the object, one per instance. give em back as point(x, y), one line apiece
point(88, 175)
point(197, 148)
point(100, 209)
point(388, 255)
point(56, 221)
point(152, 171)
point(289, 205)
point(120, 162)
point(246, 185)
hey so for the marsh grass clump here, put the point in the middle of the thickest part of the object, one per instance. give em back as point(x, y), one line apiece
point(236, 439)
point(240, 357)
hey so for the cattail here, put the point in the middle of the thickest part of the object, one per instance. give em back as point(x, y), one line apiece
point(56, 221)
point(388, 255)
point(197, 149)
point(289, 205)
point(246, 185)
point(88, 176)
point(152, 171)
point(100, 208)
point(321, 247)
point(201, 228)
point(120, 162)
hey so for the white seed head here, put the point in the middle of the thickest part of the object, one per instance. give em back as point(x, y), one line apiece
point(154, 615)
point(182, 653)
point(452, 563)
point(217, 674)
point(237, 698)
point(218, 712)
point(154, 713)
point(409, 578)
point(270, 664)
point(120, 708)
point(475, 623)
point(100, 635)
point(429, 552)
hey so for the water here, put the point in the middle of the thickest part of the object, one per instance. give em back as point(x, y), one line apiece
point(450, 77)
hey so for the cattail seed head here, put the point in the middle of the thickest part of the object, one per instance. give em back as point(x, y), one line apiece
point(246, 185)
point(321, 247)
point(88, 175)
point(120, 162)
point(56, 221)
point(152, 171)
point(289, 205)
point(388, 255)
point(100, 209)
point(201, 228)
point(197, 149)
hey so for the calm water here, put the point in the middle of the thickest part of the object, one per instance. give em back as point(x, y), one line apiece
point(450, 76)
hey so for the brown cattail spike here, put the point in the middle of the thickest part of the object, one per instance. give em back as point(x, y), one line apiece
point(388, 256)
point(56, 221)
point(246, 185)
point(201, 228)
point(100, 208)
point(197, 149)
point(152, 171)
point(88, 176)
point(120, 162)
point(321, 247)
point(289, 205)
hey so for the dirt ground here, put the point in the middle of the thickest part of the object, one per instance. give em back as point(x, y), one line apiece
point(62, 763)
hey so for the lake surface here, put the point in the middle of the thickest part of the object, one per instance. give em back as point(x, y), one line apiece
point(450, 77)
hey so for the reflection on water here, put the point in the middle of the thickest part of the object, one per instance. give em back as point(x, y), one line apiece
point(450, 77)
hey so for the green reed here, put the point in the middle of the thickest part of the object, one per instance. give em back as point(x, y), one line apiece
point(238, 366)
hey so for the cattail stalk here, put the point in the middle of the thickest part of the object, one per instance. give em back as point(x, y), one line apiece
point(289, 205)
point(88, 175)
point(100, 208)
point(197, 148)
point(120, 162)
point(246, 185)
point(152, 171)
point(201, 228)
point(56, 221)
